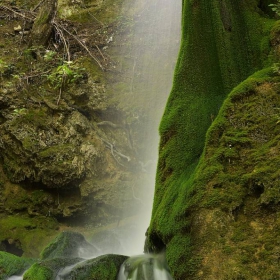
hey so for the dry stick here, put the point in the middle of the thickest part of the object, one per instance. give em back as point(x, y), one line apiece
point(60, 90)
point(59, 96)
point(66, 47)
point(82, 44)
point(37, 6)
point(17, 13)
point(100, 52)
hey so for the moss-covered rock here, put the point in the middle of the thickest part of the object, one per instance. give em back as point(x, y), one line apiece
point(48, 269)
point(28, 235)
point(103, 267)
point(13, 265)
point(69, 245)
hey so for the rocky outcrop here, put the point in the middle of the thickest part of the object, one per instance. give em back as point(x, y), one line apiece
point(216, 208)
point(67, 153)
point(79, 115)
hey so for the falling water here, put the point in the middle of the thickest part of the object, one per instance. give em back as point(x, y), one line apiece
point(145, 267)
point(153, 55)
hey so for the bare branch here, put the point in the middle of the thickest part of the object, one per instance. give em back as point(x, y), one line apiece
point(80, 43)
point(17, 13)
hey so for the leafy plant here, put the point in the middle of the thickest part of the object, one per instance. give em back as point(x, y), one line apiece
point(6, 69)
point(276, 7)
point(49, 55)
point(19, 112)
point(276, 68)
point(65, 74)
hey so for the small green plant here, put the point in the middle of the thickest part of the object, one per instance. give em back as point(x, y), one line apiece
point(6, 69)
point(3, 66)
point(49, 55)
point(276, 68)
point(65, 74)
point(276, 7)
point(19, 112)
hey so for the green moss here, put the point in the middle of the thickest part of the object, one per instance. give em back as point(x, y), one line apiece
point(103, 267)
point(67, 244)
point(57, 149)
point(223, 43)
point(48, 269)
point(13, 265)
point(33, 233)
point(37, 117)
point(38, 272)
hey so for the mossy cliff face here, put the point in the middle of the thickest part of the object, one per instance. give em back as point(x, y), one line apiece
point(71, 140)
point(217, 212)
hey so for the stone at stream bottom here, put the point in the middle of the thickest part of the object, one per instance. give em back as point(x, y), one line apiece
point(13, 265)
point(105, 267)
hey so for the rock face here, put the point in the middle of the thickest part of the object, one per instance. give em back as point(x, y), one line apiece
point(216, 208)
point(68, 154)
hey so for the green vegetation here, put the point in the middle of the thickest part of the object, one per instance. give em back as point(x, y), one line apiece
point(33, 233)
point(12, 265)
point(39, 272)
point(276, 7)
point(65, 74)
point(48, 269)
point(223, 43)
point(103, 267)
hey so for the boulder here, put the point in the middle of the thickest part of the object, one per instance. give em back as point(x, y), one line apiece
point(105, 267)
point(13, 265)
point(69, 245)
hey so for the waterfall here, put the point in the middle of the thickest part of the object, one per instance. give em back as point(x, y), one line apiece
point(145, 267)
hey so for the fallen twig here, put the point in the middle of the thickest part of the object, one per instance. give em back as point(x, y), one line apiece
point(66, 47)
point(17, 13)
point(80, 43)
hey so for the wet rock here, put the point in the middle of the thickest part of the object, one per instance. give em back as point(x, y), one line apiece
point(48, 269)
point(69, 244)
point(103, 267)
point(13, 265)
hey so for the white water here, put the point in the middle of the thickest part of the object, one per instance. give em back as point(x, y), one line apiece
point(145, 267)
point(156, 40)
point(15, 277)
